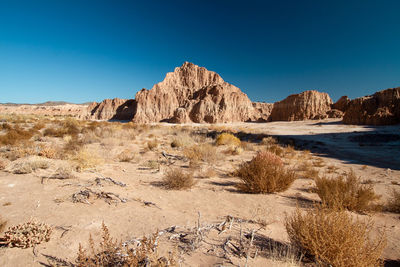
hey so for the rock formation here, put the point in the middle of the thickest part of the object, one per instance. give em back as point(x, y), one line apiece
point(304, 106)
point(262, 111)
point(193, 94)
point(342, 104)
point(111, 109)
point(381, 108)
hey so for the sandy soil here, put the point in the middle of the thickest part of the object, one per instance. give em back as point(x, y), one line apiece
point(210, 201)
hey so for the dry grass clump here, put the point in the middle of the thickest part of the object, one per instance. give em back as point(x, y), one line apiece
point(346, 192)
point(308, 170)
point(110, 252)
point(227, 139)
point(265, 173)
point(85, 159)
point(68, 127)
point(335, 239)
point(63, 172)
point(48, 152)
point(204, 152)
point(72, 146)
point(182, 140)
point(26, 235)
point(393, 204)
point(177, 179)
point(5, 126)
point(126, 155)
point(29, 165)
point(15, 135)
point(152, 144)
point(276, 149)
point(267, 141)
point(38, 126)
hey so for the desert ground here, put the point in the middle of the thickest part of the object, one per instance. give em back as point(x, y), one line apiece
point(74, 176)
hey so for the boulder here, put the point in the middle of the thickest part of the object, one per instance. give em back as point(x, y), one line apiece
point(307, 105)
point(381, 108)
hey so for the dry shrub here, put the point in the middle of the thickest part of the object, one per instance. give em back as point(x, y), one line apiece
point(308, 170)
point(126, 155)
point(85, 159)
point(393, 204)
point(29, 165)
point(346, 192)
point(276, 149)
point(26, 235)
point(15, 135)
point(72, 146)
point(38, 126)
point(90, 138)
point(5, 126)
point(203, 152)
point(289, 151)
point(335, 239)
point(152, 144)
point(265, 173)
point(68, 127)
point(267, 141)
point(182, 140)
point(227, 139)
point(110, 252)
point(63, 172)
point(48, 152)
point(177, 179)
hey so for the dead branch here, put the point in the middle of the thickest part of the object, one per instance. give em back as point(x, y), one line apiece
point(108, 179)
point(83, 196)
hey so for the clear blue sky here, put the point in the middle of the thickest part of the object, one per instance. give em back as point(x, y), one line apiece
point(81, 51)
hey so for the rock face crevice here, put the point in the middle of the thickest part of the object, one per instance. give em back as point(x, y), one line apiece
point(381, 108)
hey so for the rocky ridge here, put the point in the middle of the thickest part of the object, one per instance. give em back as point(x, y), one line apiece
point(381, 108)
point(194, 94)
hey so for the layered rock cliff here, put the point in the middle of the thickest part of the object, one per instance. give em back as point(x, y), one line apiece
point(307, 105)
point(381, 108)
